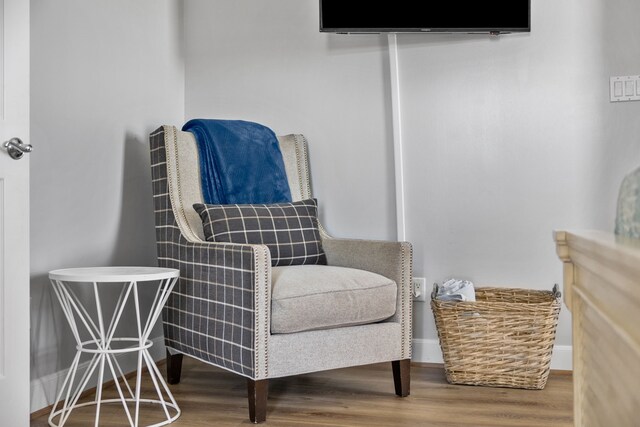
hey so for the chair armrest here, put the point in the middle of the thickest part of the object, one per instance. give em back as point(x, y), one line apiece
point(390, 259)
point(221, 309)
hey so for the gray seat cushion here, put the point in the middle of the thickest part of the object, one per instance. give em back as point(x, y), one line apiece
point(308, 297)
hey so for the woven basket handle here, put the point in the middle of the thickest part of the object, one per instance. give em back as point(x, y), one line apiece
point(556, 291)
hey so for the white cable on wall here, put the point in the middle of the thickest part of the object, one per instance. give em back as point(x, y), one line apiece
point(397, 136)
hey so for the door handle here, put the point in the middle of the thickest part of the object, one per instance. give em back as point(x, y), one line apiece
point(16, 148)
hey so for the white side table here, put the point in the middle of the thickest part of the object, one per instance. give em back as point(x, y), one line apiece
point(102, 346)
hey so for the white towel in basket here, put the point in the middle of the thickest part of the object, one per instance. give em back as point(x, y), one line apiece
point(456, 290)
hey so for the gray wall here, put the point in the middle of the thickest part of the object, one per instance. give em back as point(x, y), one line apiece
point(104, 74)
point(267, 62)
point(506, 139)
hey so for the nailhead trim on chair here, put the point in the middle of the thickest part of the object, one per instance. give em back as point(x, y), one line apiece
point(261, 344)
point(406, 303)
point(303, 158)
point(297, 148)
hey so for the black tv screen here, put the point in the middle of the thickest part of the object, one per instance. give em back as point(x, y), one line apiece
point(416, 16)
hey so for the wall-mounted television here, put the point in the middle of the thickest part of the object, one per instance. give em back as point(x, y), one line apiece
point(425, 16)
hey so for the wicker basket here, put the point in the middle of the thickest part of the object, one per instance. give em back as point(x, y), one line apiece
point(504, 339)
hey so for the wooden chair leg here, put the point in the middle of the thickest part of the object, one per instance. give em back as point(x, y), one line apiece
point(257, 392)
point(174, 367)
point(402, 376)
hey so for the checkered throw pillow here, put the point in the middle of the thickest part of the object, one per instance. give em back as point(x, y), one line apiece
point(290, 230)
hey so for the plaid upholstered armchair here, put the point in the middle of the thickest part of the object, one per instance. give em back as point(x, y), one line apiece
point(232, 309)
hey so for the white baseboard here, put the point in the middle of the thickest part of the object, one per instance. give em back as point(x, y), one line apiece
point(428, 351)
point(44, 389)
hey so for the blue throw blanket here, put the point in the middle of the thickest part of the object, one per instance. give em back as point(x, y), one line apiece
point(240, 162)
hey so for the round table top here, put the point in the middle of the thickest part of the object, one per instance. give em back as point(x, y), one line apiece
point(113, 274)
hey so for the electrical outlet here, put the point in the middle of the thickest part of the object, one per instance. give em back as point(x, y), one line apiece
point(419, 289)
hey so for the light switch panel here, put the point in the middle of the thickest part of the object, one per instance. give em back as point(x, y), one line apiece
point(624, 88)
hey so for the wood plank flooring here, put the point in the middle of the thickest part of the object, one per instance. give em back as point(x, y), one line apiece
point(361, 396)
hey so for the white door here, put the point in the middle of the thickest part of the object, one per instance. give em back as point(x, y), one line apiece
point(14, 214)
